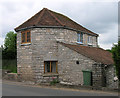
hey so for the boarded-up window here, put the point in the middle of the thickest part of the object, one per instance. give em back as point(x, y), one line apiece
point(26, 37)
point(50, 67)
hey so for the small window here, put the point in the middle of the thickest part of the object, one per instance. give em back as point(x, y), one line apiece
point(80, 37)
point(50, 67)
point(26, 37)
point(89, 39)
point(77, 62)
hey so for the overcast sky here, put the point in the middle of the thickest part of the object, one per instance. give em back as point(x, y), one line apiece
point(100, 17)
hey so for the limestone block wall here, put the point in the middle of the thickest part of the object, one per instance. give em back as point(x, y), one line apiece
point(24, 60)
point(69, 71)
point(43, 47)
point(110, 75)
point(99, 76)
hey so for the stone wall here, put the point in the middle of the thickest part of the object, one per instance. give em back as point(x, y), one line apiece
point(43, 47)
point(111, 82)
point(99, 76)
point(69, 71)
point(24, 60)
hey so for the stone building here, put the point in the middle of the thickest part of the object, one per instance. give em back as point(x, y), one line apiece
point(51, 45)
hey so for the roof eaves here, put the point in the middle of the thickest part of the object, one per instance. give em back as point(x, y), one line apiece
point(64, 27)
point(77, 51)
point(85, 54)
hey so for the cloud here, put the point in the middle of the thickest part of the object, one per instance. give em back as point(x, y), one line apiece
point(99, 17)
point(107, 39)
point(1, 41)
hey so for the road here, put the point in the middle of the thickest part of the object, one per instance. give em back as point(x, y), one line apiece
point(13, 89)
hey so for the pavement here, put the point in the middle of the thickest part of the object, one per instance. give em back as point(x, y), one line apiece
point(21, 89)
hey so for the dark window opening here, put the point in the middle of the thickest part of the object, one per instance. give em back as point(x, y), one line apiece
point(50, 67)
point(77, 62)
point(80, 37)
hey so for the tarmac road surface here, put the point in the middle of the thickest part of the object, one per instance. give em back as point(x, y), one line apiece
point(14, 89)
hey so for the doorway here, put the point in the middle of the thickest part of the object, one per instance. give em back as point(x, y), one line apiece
point(87, 78)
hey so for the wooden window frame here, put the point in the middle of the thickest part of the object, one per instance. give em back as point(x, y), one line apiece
point(25, 37)
point(51, 67)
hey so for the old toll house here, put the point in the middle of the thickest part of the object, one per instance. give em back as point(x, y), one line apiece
point(50, 44)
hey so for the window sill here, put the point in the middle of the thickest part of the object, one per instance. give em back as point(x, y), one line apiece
point(89, 44)
point(50, 74)
point(25, 44)
point(80, 43)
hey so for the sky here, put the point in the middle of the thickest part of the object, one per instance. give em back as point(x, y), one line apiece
point(100, 17)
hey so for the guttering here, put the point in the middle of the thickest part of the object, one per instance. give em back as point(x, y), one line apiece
point(64, 27)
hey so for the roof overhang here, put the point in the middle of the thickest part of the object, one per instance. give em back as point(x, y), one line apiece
point(63, 27)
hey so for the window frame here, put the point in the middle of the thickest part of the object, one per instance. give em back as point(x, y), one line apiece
point(51, 67)
point(26, 37)
point(90, 40)
point(80, 37)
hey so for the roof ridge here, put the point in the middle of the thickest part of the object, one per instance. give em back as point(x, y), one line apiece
point(41, 15)
point(55, 18)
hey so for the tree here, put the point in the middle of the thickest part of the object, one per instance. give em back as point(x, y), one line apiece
point(9, 51)
point(116, 58)
point(108, 50)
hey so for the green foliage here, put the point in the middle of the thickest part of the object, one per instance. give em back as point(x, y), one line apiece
point(116, 58)
point(10, 41)
point(109, 50)
point(10, 65)
point(54, 81)
point(9, 50)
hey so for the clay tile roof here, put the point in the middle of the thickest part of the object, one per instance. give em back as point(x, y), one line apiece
point(47, 17)
point(97, 54)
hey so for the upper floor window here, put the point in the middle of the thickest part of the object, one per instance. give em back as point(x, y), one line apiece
point(26, 36)
point(80, 37)
point(89, 39)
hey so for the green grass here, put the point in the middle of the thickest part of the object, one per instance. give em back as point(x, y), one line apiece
point(10, 65)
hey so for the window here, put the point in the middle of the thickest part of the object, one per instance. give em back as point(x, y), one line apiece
point(89, 39)
point(26, 37)
point(77, 62)
point(80, 37)
point(50, 67)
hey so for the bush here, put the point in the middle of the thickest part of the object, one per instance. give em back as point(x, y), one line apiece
point(10, 65)
point(54, 81)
